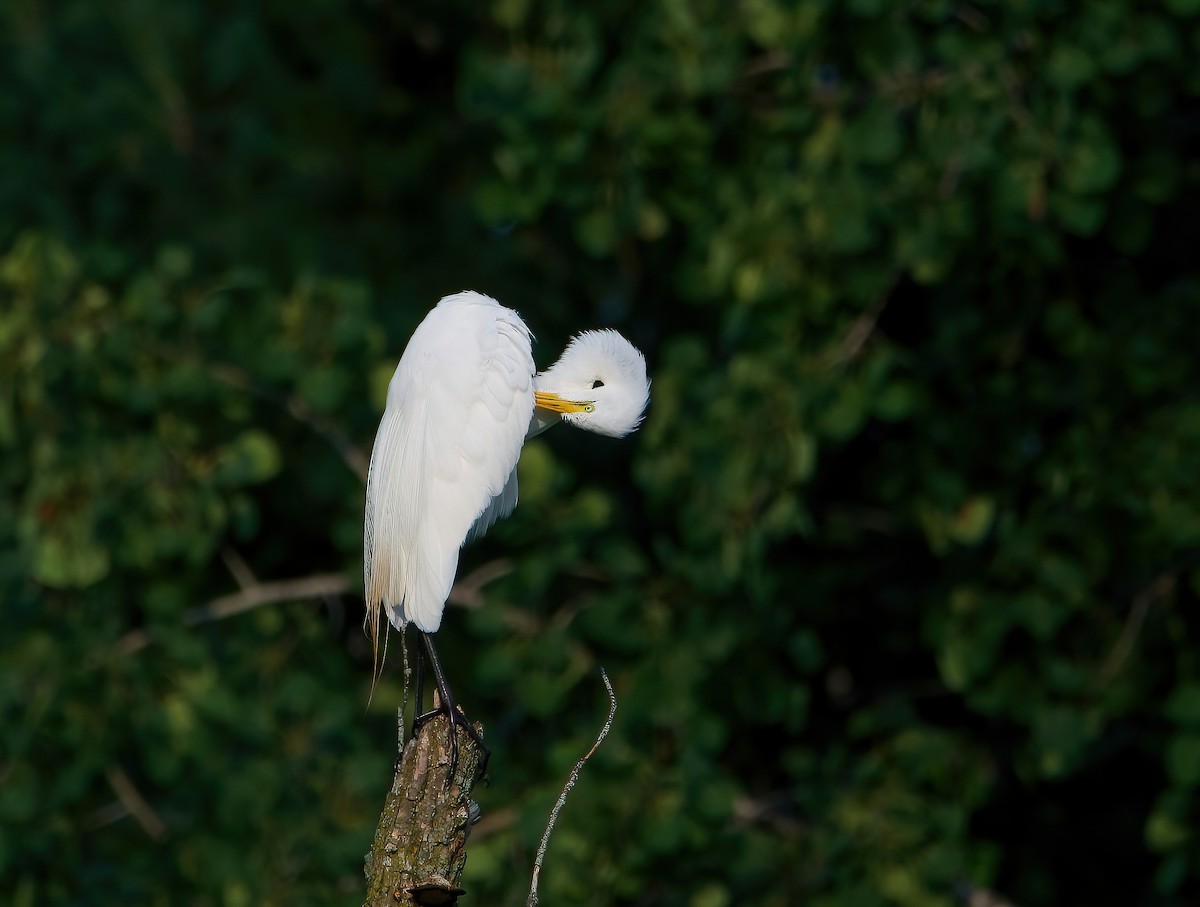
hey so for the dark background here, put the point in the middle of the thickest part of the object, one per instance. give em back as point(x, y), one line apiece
point(897, 584)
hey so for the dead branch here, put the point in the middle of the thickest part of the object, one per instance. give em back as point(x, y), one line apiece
point(320, 585)
point(317, 586)
point(420, 844)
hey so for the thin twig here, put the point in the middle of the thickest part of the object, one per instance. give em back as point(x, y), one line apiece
point(532, 900)
point(863, 327)
point(135, 804)
point(972, 18)
point(298, 409)
point(765, 64)
point(1162, 586)
point(407, 671)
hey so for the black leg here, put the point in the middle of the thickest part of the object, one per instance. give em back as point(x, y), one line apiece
point(448, 706)
point(420, 704)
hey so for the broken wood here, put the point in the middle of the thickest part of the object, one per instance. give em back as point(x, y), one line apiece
point(419, 850)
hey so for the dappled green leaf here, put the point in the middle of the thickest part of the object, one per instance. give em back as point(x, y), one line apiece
point(896, 584)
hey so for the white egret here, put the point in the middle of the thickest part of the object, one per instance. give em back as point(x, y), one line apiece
point(462, 402)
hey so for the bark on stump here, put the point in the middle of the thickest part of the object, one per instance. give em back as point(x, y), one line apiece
point(420, 844)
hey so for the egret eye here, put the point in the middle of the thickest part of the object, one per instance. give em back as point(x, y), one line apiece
point(589, 408)
point(597, 383)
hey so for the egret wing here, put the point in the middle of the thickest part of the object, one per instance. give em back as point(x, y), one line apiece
point(444, 459)
point(499, 507)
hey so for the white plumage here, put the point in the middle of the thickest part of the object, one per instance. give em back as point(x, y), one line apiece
point(460, 405)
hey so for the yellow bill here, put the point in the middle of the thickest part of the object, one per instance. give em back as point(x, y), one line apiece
point(555, 403)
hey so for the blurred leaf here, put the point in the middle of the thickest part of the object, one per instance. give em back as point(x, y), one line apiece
point(896, 583)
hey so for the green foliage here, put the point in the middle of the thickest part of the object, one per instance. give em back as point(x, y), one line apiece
point(896, 583)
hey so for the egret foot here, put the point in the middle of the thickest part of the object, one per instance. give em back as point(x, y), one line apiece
point(448, 707)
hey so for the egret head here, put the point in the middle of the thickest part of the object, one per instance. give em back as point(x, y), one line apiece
point(598, 383)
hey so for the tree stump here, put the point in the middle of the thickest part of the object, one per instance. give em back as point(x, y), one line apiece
point(420, 844)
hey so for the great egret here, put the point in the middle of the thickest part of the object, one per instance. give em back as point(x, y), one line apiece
point(462, 402)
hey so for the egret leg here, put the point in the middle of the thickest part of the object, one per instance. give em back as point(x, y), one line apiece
point(447, 705)
point(417, 717)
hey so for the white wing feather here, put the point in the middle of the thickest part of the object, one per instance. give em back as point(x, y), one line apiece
point(443, 466)
point(500, 506)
